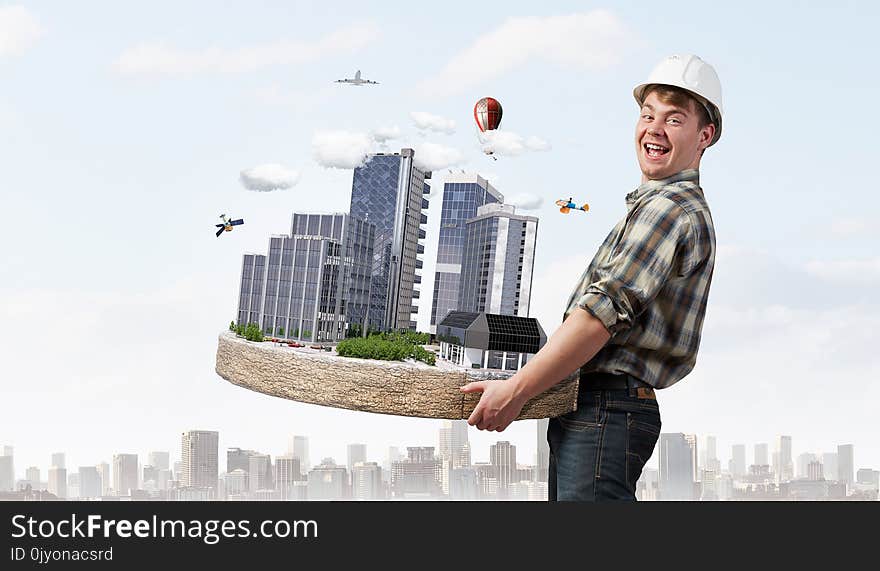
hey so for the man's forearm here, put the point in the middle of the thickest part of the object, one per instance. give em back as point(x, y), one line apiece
point(576, 341)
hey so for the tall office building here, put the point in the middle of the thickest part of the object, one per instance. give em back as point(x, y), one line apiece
point(32, 476)
point(417, 476)
point(784, 466)
point(327, 481)
point(260, 473)
point(58, 481)
point(125, 474)
point(159, 460)
point(462, 195)
point(814, 471)
point(7, 470)
point(692, 443)
point(314, 284)
point(58, 460)
point(299, 448)
point(761, 455)
point(502, 456)
point(366, 481)
point(390, 192)
point(709, 455)
point(287, 474)
point(676, 467)
point(543, 451)
point(498, 261)
point(453, 443)
point(355, 453)
point(236, 483)
point(106, 481)
point(89, 482)
point(238, 459)
point(845, 464)
point(738, 460)
point(198, 454)
point(802, 462)
point(829, 465)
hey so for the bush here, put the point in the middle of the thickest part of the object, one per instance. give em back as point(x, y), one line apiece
point(232, 326)
point(382, 348)
point(253, 333)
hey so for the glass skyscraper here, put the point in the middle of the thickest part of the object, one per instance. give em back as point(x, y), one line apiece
point(462, 195)
point(389, 192)
point(498, 261)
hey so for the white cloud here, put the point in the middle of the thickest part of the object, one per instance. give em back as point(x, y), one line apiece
point(384, 134)
point(427, 122)
point(859, 272)
point(268, 177)
point(525, 201)
point(341, 149)
point(431, 156)
point(19, 30)
point(159, 58)
point(592, 40)
point(850, 227)
point(507, 143)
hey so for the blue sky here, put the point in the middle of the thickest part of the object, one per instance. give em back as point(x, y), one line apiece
point(125, 129)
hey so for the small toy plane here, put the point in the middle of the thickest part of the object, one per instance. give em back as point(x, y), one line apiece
point(567, 205)
point(227, 225)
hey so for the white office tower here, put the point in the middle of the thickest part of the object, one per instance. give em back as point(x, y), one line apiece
point(783, 467)
point(198, 454)
point(829, 465)
point(845, 465)
point(761, 457)
point(738, 466)
point(502, 456)
point(453, 443)
point(498, 261)
point(260, 472)
point(356, 453)
point(299, 448)
point(287, 474)
point(802, 464)
point(89, 482)
point(125, 474)
point(106, 482)
point(32, 475)
point(366, 481)
point(327, 481)
point(58, 460)
point(58, 482)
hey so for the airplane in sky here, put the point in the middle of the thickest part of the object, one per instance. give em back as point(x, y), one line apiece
point(357, 80)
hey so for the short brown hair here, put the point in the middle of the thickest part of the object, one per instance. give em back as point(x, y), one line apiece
point(679, 97)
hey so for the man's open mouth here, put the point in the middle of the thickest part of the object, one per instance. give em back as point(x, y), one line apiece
point(654, 150)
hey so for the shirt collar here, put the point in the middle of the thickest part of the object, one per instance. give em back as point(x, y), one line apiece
point(645, 189)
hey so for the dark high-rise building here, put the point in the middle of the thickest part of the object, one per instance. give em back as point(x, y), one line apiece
point(502, 455)
point(676, 467)
point(198, 454)
point(462, 195)
point(389, 191)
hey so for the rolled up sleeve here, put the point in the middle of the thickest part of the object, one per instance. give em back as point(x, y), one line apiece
point(648, 252)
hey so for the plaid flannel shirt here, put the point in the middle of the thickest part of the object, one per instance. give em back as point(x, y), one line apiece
point(649, 282)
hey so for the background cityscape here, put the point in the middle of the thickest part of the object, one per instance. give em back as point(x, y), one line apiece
point(690, 468)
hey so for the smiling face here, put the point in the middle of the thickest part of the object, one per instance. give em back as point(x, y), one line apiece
point(670, 136)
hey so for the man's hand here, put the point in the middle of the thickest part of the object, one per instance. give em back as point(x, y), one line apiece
point(499, 404)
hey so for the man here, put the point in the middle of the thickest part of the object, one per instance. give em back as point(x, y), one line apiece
point(633, 322)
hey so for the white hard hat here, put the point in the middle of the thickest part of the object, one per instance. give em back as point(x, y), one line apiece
point(691, 74)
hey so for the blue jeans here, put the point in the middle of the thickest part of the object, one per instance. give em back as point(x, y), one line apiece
point(597, 452)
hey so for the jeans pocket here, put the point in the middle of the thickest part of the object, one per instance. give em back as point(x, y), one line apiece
point(642, 433)
point(577, 421)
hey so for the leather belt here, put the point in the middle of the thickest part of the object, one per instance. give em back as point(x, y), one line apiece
point(615, 381)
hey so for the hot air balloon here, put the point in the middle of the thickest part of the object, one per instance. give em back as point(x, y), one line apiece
point(487, 114)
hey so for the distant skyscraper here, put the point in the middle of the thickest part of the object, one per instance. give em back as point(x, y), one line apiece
point(58, 459)
point(464, 484)
point(829, 465)
point(236, 483)
point(260, 473)
point(388, 192)
point(327, 481)
point(238, 459)
point(32, 474)
point(462, 195)
point(761, 455)
point(453, 443)
point(498, 261)
point(314, 285)
point(391, 456)
point(159, 460)
point(676, 467)
point(125, 474)
point(287, 474)
point(419, 475)
point(845, 464)
point(356, 453)
point(366, 481)
point(198, 453)
point(7, 470)
point(543, 458)
point(802, 462)
point(299, 448)
point(784, 468)
point(738, 458)
point(58, 481)
point(89, 482)
point(502, 456)
point(814, 471)
point(692, 443)
point(106, 481)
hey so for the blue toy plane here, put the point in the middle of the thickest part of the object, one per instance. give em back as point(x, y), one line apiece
point(227, 224)
point(565, 206)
